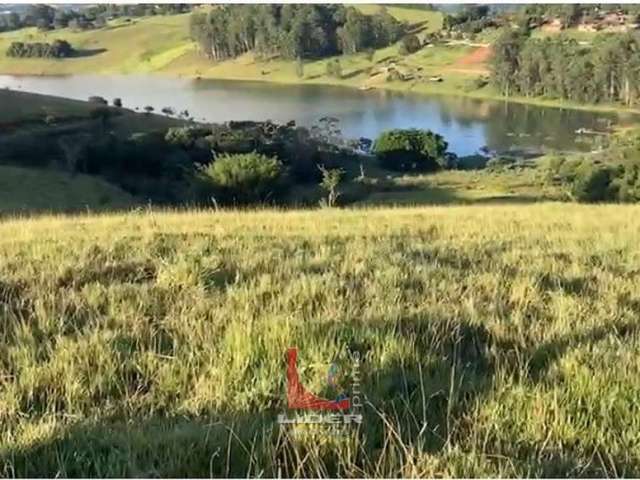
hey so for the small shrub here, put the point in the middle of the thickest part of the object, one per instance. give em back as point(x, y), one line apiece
point(245, 178)
point(628, 183)
point(480, 82)
point(334, 68)
point(98, 100)
point(185, 137)
point(409, 44)
point(593, 184)
point(331, 179)
point(117, 102)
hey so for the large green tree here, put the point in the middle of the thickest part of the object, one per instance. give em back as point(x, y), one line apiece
point(411, 150)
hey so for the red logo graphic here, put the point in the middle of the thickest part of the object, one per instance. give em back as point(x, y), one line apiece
point(299, 398)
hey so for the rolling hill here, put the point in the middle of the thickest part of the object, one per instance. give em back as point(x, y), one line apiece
point(162, 45)
point(37, 191)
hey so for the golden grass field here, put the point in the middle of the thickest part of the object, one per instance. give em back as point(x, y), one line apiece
point(496, 341)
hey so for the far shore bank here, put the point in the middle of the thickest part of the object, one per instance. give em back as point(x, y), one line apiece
point(486, 93)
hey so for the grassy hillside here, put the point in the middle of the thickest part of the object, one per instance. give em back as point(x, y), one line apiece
point(50, 187)
point(22, 110)
point(142, 45)
point(21, 107)
point(161, 45)
point(496, 341)
point(139, 46)
point(24, 190)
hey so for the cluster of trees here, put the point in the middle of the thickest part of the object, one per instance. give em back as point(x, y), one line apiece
point(57, 49)
point(46, 17)
point(290, 31)
point(597, 181)
point(570, 14)
point(411, 150)
point(470, 19)
point(251, 172)
point(559, 67)
point(136, 10)
point(534, 14)
point(10, 21)
point(361, 32)
point(251, 162)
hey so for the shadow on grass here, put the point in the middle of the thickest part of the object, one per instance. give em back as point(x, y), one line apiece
point(414, 407)
point(429, 195)
point(418, 27)
point(354, 73)
point(87, 52)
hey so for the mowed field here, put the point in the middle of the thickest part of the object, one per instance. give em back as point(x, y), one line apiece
point(496, 341)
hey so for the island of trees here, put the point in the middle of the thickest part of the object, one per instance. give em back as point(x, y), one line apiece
point(57, 49)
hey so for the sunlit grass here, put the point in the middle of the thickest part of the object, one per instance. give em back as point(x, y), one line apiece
point(497, 340)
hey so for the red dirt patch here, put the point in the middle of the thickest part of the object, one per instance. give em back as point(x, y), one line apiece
point(479, 55)
point(473, 63)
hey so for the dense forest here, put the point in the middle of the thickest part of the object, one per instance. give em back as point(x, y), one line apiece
point(560, 67)
point(291, 31)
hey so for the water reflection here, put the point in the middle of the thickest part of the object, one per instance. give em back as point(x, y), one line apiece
point(467, 124)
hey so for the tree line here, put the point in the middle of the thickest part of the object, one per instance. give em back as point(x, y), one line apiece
point(57, 49)
point(291, 31)
point(559, 67)
point(570, 14)
point(45, 17)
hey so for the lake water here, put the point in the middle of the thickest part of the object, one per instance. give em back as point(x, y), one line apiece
point(467, 124)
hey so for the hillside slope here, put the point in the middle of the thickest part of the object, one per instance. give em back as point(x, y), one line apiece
point(495, 341)
point(137, 46)
point(142, 45)
point(162, 45)
point(26, 190)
